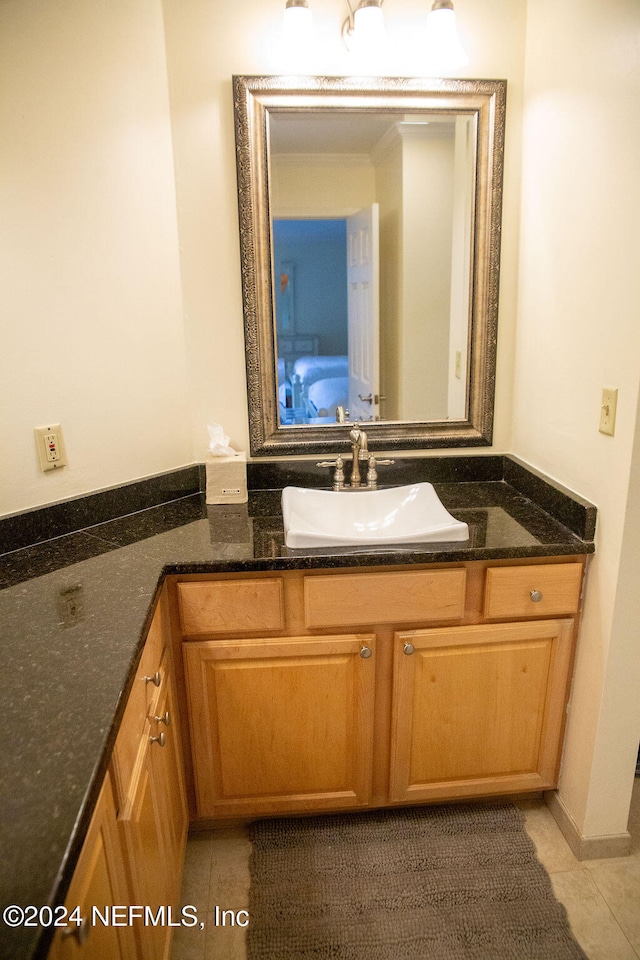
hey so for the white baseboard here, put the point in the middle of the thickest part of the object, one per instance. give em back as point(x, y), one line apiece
point(586, 848)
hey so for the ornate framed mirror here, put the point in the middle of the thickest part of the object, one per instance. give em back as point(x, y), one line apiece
point(370, 221)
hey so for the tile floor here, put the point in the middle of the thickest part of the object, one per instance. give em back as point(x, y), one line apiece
point(602, 897)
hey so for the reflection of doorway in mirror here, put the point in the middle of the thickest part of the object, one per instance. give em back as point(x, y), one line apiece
point(363, 276)
point(311, 317)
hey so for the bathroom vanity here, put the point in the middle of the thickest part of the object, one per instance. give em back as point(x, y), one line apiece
point(313, 691)
point(208, 673)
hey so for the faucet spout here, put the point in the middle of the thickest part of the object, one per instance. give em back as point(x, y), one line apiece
point(358, 440)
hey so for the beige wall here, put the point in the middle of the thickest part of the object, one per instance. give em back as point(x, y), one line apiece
point(427, 184)
point(90, 299)
point(306, 187)
point(578, 330)
point(388, 167)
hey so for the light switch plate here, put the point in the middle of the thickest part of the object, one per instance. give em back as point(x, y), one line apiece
point(608, 410)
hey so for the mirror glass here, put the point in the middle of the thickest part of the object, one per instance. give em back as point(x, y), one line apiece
point(369, 229)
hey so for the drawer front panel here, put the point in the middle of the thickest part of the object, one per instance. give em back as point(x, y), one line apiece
point(226, 606)
point(142, 704)
point(544, 590)
point(369, 598)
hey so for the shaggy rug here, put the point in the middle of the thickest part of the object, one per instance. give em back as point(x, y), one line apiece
point(458, 882)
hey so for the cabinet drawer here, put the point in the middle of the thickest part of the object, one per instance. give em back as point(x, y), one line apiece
point(224, 606)
point(540, 590)
point(143, 703)
point(402, 597)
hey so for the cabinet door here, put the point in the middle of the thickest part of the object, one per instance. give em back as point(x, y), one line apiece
point(99, 880)
point(154, 824)
point(478, 710)
point(167, 774)
point(281, 724)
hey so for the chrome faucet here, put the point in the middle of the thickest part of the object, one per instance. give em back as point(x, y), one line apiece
point(359, 451)
point(358, 440)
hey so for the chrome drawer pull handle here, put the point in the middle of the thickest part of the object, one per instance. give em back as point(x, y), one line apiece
point(536, 596)
point(166, 719)
point(161, 740)
point(409, 649)
point(155, 679)
point(366, 652)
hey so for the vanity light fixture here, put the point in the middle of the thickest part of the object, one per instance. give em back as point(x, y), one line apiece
point(363, 30)
point(443, 50)
point(296, 23)
point(364, 25)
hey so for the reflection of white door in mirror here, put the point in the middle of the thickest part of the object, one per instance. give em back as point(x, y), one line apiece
point(364, 313)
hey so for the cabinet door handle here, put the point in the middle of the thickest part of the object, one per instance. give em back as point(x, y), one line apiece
point(366, 652)
point(409, 649)
point(155, 679)
point(166, 719)
point(81, 932)
point(160, 740)
point(536, 596)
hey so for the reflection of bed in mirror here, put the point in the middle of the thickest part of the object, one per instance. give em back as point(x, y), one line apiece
point(311, 388)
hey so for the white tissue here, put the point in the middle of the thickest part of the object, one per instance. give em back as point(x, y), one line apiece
point(219, 441)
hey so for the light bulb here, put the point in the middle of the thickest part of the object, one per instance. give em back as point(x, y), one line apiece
point(443, 49)
point(296, 22)
point(368, 24)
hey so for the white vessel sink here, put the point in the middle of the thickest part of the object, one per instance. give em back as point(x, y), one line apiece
point(408, 514)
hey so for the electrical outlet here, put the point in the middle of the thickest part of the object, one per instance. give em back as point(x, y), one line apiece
point(50, 445)
point(608, 410)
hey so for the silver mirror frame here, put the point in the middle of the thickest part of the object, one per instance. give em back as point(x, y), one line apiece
point(253, 97)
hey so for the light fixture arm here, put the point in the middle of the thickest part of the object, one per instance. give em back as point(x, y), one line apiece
point(348, 27)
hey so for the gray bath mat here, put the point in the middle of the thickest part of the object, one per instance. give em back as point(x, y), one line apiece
point(459, 882)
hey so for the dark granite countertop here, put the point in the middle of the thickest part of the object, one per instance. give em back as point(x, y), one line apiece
point(75, 611)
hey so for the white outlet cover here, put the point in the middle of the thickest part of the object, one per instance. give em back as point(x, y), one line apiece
point(50, 445)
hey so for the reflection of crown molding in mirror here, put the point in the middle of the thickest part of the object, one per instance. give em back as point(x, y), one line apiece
point(254, 98)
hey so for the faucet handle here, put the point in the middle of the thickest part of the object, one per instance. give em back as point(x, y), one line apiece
point(372, 474)
point(338, 477)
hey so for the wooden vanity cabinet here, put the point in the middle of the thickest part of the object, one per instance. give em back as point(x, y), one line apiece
point(461, 692)
point(152, 807)
point(153, 824)
point(99, 879)
point(134, 850)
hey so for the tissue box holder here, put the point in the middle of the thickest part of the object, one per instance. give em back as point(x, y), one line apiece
point(226, 479)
